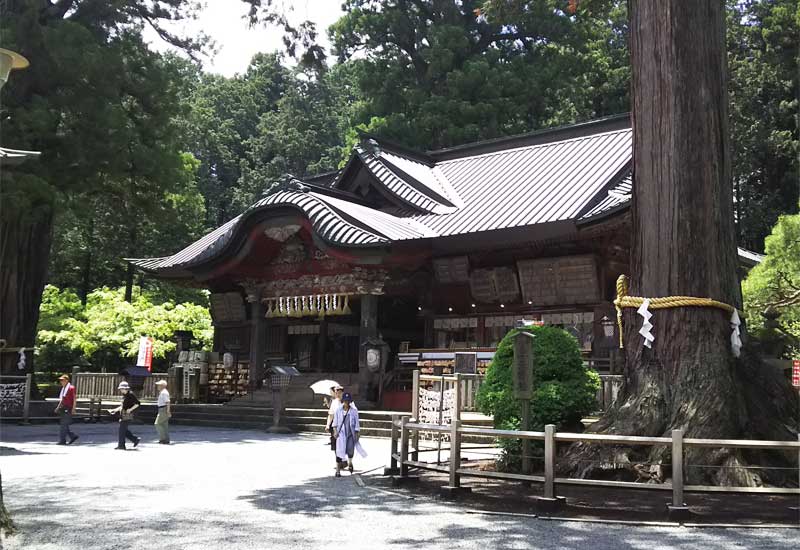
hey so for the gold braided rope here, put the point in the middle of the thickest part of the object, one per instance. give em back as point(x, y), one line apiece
point(623, 301)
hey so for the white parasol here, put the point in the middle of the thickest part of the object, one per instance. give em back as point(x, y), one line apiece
point(323, 387)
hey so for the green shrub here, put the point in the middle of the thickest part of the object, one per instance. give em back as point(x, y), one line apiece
point(563, 389)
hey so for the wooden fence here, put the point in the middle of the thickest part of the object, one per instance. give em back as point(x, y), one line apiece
point(104, 386)
point(405, 431)
point(15, 401)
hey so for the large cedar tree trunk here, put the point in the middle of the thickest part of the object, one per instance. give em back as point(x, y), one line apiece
point(25, 239)
point(683, 243)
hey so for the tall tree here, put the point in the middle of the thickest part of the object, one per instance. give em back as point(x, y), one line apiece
point(72, 104)
point(684, 244)
point(764, 64)
point(439, 73)
point(221, 123)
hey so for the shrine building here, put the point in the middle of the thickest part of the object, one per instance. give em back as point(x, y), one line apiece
point(421, 254)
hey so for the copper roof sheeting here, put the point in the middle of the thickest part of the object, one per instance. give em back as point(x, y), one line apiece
point(618, 195)
point(398, 186)
point(530, 185)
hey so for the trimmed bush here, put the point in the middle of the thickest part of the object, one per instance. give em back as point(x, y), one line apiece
point(563, 389)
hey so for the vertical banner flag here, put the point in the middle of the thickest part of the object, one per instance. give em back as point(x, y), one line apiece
point(796, 373)
point(145, 358)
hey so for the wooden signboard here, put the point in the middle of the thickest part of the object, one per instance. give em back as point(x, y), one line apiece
point(522, 367)
point(559, 281)
point(498, 284)
point(466, 363)
point(451, 270)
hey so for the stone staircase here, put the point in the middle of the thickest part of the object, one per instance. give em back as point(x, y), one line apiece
point(299, 395)
point(257, 415)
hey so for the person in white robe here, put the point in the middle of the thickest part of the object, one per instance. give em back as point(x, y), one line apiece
point(346, 430)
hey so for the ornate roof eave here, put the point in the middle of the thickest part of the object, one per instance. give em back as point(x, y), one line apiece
point(330, 227)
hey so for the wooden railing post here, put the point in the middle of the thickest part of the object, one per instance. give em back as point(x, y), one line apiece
point(393, 469)
point(26, 404)
point(415, 412)
point(455, 436)
point(403, 447)
point(549, 461)
point(549, 502)
point(455, 453)
point(678, 511)
point(677, 467)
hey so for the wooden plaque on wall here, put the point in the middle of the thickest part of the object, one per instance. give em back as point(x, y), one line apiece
point(451, 270)
point(559, 281)
point(498, 284)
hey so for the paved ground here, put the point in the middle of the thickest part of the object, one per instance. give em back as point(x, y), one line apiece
point(241, 490)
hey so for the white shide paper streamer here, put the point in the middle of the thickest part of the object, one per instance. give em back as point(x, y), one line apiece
point(646, 324)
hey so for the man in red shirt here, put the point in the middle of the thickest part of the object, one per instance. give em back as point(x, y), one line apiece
point(66, 408)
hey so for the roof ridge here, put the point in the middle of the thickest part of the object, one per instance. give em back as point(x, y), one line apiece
point(583, 129)
point(532, 146)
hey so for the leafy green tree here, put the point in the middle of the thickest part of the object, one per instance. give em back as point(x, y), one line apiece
point(303, 135)
point(106, 332)
point(442, 73)
point(222, 120)
point(763, 59)
point(772, 288)
point(92, 103)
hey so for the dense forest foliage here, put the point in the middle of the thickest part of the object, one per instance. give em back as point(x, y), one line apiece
point(144, 152)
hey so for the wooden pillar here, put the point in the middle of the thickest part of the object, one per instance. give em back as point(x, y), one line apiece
point(322, 342)
point(258, 333)
point(368, 329)
point(430, 337)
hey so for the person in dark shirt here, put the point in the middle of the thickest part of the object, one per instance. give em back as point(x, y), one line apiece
point(129, 404)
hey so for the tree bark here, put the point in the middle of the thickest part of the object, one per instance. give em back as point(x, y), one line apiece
point(683, 243)
point(24, 256)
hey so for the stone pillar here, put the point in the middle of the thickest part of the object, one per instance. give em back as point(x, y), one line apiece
point(258, 329)
point(368, 329)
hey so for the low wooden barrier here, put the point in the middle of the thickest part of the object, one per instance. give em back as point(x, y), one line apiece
point(104, 386)
point(405, 431)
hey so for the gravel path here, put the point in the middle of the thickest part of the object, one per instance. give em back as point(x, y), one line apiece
point(237, 490)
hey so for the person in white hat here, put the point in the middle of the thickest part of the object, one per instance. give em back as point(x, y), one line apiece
point(164, 413)
point(129, 404)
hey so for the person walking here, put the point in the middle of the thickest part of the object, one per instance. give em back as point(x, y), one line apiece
point(346, 428)
point(164, 413)
point(336, 403)
point(66, 410)
point(129, 404)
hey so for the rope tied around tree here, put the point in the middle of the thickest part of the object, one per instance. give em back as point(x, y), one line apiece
point(623, 300)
